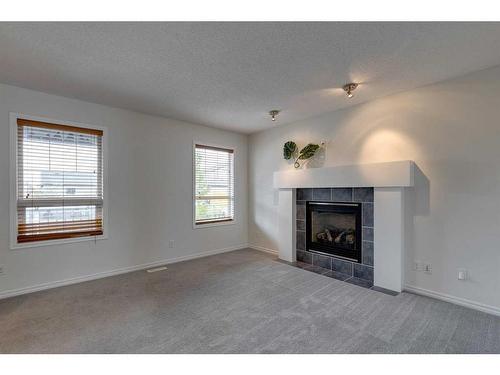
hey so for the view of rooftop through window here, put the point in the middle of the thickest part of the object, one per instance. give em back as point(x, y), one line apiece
point(60, 184)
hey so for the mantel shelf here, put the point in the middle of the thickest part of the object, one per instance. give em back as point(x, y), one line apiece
point(388, 174)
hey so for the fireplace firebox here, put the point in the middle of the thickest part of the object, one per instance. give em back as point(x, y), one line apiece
point(334, 228)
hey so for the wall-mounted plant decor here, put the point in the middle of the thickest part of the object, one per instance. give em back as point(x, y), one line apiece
point(290, 150)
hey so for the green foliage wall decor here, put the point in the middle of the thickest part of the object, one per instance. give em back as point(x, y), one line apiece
point(290, 149)
point(308, 151)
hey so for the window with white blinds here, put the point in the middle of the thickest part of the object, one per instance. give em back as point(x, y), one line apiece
point(214, 184)
point(59, 181)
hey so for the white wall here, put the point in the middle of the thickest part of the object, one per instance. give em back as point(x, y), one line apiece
point(150, 193)
point(452, 131)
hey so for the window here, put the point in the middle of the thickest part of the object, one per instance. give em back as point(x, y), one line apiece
point(59, 181)
point(214, 185)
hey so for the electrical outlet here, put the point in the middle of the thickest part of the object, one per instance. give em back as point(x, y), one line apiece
point(462, 274)
point(171, 244)
point(419, 266)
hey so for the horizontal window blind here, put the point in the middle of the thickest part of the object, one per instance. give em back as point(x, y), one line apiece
point(59, 181)
point(214, 184)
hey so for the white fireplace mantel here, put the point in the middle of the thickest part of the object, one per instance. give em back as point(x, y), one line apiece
point(389, 174)
point(391, 181)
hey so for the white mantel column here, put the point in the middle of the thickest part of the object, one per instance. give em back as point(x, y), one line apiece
point(286, 225)
point(389, 241)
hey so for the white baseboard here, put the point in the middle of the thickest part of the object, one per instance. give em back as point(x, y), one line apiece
point(455, 300)
point(264, 249)
point(118, 271)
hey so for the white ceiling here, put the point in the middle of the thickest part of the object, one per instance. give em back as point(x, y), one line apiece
point(229, 75)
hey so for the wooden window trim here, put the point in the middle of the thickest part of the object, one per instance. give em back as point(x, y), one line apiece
point(68, 128)
point(64, 225)
point(212, 221)
point(57, 236)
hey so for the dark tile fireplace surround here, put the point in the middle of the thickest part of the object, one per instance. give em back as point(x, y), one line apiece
point(342, 251)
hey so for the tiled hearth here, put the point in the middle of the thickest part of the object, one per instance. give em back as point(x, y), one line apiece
point(355, 273)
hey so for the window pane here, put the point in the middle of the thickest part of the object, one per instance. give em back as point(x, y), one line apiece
point(37, 215)
point(214, 184)
point(60, 181)
point(57, 164)
point(207, 209)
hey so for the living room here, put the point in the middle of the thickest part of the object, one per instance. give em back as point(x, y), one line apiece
point(249, 187)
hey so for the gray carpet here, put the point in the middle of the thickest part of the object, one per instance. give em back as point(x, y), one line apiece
point(238, 302)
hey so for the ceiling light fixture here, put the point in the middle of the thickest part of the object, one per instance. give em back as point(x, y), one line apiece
point(274, 113)
point(349, 88)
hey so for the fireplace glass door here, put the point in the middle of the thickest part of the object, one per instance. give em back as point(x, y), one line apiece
point(334, 229)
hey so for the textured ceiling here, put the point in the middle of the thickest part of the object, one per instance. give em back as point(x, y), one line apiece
point(229, 75)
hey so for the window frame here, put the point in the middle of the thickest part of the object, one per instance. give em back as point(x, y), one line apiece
point(14, 181)
point(215, 223)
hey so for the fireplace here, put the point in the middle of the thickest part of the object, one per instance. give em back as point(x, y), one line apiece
point(334, 228)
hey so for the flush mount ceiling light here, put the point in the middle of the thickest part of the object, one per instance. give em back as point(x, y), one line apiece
point(274, 113)
point(349, 88)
